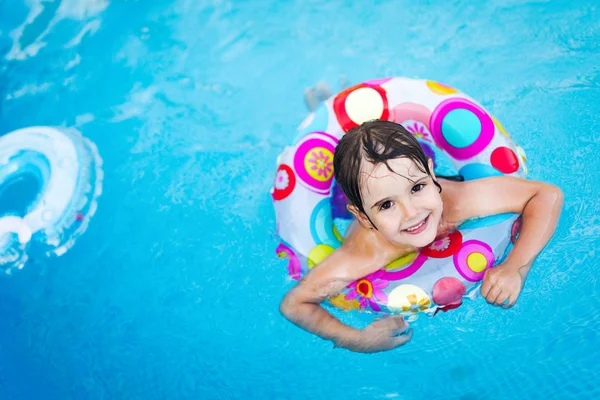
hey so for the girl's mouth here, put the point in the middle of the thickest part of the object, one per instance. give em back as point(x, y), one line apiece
point(418, 228)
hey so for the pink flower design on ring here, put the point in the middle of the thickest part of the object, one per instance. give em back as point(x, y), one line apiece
point(368, 290)
point(418, 131)
point(440, 245)
point(282, 179)
point(321, 163)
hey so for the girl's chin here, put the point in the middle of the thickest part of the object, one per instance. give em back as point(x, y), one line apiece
point(416, 242)
point(424, 241)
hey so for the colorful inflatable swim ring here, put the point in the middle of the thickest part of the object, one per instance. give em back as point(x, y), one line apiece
point(309, 207)
point(65, 170)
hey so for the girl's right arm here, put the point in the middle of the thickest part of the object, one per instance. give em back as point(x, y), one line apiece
point(302, 306)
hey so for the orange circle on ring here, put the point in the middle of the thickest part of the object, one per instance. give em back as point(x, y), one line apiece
point(365, 288)
point(440, 88)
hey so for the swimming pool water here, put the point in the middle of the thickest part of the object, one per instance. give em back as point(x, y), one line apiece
point(173, 291)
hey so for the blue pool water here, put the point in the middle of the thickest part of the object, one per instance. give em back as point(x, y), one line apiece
point(173, 291)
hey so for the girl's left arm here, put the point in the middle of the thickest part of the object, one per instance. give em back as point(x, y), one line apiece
point(539, 203)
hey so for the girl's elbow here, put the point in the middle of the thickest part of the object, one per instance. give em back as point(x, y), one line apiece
point(558, 195)
point(287, 306)
point(554, 195)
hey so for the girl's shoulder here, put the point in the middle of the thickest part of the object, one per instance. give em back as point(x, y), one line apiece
point(489, 196)
point(365, 250)
point(453, 197)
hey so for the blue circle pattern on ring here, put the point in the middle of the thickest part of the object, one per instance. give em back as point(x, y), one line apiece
point(321, 225)
point(461, 128)
point(485, 221)
point(318, 124)
point(479, 171)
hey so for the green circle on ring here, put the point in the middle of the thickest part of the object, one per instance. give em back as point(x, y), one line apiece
point(461, 128)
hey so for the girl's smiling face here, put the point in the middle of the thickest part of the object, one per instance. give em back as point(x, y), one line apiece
point(401, 201)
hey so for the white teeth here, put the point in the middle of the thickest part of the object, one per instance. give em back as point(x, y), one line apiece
point(415, 227)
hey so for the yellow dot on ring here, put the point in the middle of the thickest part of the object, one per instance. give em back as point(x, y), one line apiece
point(318, 254)
point(337, 234)
point(401, 262)
point(319, 164)
point(476, 262)
point(521, 153)
point(440, 88)
point(500, 127)
point(340, 301)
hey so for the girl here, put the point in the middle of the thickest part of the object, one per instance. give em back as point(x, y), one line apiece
point(400, 206)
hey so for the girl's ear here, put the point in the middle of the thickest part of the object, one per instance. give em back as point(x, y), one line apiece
point(360, 216)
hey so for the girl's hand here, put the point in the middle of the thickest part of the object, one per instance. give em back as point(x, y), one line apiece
point(502, 283)
point(381, 335)
point(540, 205)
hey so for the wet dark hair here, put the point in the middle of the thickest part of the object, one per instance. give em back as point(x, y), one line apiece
point(377, 142)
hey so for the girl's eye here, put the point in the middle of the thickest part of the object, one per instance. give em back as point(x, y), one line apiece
point(417, 188)
point(385, 205)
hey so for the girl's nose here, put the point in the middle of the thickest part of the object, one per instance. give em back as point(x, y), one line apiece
point(411, 210)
